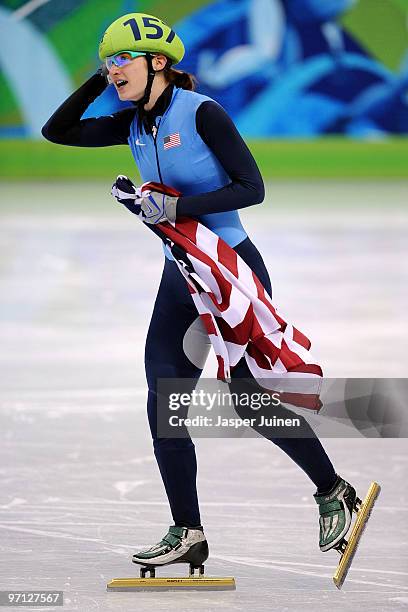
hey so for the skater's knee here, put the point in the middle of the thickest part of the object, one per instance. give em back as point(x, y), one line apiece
point(158, 428)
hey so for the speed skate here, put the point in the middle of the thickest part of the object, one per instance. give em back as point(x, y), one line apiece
point(347, 548)
point(179, 545)
point(336, 508)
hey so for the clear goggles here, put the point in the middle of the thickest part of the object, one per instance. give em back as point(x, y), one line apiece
point(122, 58)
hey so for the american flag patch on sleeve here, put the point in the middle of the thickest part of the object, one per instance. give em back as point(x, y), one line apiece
point(172, 141)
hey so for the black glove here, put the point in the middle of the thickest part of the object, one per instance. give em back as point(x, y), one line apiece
point(125, 192)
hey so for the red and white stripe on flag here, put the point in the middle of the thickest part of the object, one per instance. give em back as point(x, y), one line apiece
point(241, 320)
point(173, 140)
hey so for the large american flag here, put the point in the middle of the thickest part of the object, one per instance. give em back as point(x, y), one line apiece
point(238, 314)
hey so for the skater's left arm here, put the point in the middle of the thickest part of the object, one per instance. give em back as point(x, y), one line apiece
point(246, 187)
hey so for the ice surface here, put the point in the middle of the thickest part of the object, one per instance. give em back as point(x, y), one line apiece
point(80, 490)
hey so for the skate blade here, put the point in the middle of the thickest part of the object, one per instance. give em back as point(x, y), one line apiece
point(362, 516)
point(172, 584)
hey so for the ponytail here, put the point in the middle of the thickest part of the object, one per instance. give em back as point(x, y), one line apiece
point(178, 78)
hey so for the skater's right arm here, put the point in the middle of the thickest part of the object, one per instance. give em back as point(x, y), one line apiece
point(66, 127)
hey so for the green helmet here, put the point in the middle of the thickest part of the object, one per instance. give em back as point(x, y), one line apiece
point(141, 32)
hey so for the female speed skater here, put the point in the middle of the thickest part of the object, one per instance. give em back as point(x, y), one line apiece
point(183, 139)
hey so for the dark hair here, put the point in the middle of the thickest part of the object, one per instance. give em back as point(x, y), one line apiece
point(181, 79)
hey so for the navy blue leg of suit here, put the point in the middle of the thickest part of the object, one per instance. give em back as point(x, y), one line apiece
point(173, 314)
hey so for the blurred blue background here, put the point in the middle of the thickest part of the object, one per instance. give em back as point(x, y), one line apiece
point(281, 68)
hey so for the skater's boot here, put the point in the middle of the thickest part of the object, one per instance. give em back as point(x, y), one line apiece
point(336, 507)
point(179, 545)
